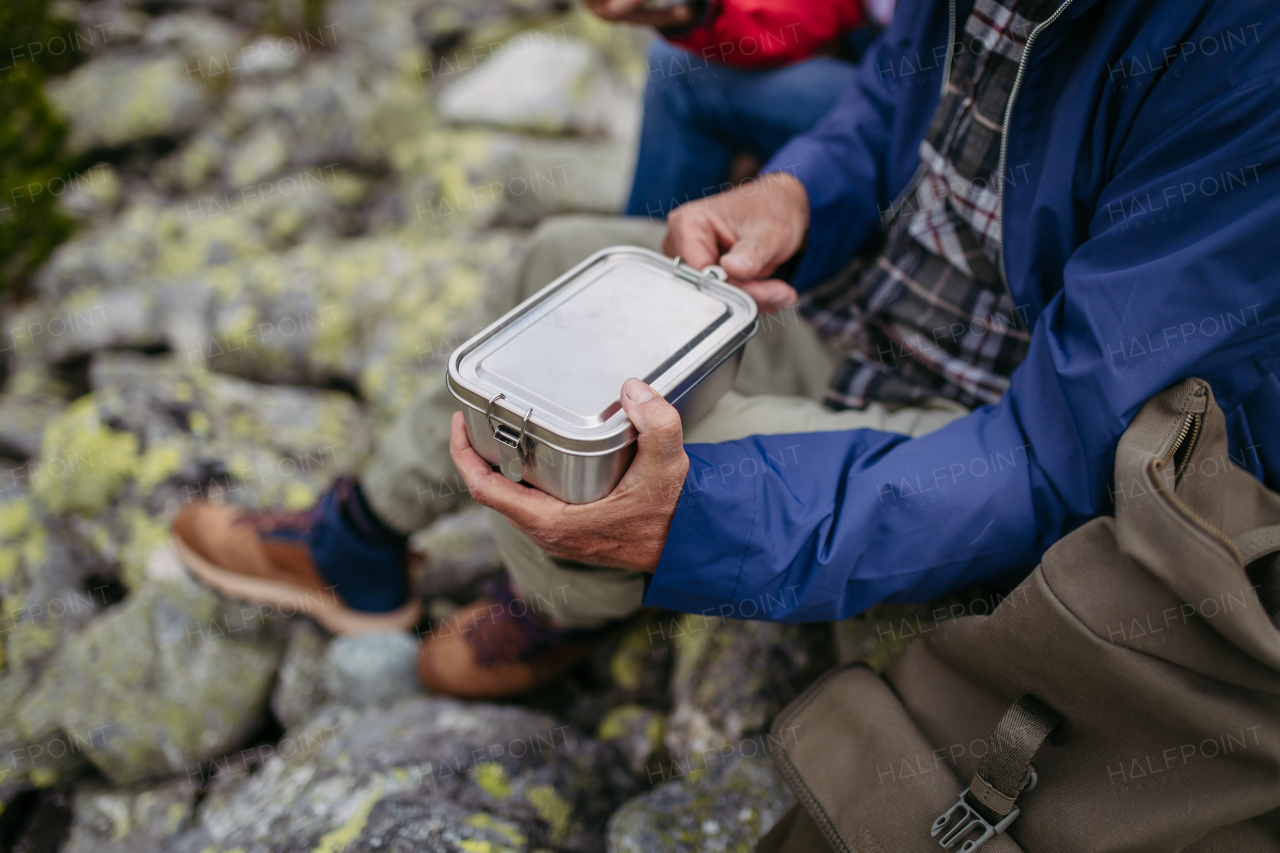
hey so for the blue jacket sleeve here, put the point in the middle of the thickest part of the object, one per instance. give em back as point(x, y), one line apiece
point(860, 155)
point(823, 525)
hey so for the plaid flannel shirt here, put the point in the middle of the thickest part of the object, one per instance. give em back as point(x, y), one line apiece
point(929, 316)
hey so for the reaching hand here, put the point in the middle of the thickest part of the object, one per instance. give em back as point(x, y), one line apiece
point(631, 12)
point(749, 231)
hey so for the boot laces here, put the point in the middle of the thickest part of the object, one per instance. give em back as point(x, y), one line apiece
point(274, 521)
point(510, 635)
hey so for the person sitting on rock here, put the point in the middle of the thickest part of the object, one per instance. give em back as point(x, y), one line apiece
point(1001, 259)
point(730, 82)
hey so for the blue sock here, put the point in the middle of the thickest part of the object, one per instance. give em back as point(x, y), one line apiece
point(357, 552)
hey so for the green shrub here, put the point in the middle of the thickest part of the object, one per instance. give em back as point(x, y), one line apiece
point(32, 151)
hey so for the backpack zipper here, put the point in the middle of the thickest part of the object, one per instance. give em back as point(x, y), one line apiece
point(1190, 426)
point(1004, 136)
point(1189, 432)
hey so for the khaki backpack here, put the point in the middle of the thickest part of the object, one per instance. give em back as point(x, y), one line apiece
point(1138, 667)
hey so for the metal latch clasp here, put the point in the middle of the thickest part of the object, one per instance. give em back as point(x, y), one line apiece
point(969, 821)
point(713, 271)
point(516, 445)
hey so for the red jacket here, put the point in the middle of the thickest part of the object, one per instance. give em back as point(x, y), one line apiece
point(761, 33)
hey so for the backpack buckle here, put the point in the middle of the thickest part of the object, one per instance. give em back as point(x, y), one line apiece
point(968, 821)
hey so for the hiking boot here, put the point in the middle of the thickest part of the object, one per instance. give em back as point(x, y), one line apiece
point(336, 562)
point(495, 647)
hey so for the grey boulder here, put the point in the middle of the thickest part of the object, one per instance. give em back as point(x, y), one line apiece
point(727, 809)
point(129, 820)
point(115, 100)
point(540, 81)
point(364, 669)
point(504, 769)
point(300, 687)
point(156, 685)
point(732, 677)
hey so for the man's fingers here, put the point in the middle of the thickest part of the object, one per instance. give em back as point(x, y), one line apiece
point(771, 294)
point(697, 233)
point(692, 238)
point(528, 508)
point(612, 10)
point(661, 442)
point(748, 259)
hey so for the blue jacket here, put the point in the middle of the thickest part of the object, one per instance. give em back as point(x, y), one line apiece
point(1142, 233)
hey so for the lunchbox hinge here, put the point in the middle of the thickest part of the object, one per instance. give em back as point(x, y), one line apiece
point(513, 446)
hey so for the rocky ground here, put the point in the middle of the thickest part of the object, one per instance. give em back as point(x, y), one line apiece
point(293, 215)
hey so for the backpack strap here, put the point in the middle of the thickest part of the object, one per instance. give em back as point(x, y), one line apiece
point(989, 804)
point(1258, 542)
point(1254, 545)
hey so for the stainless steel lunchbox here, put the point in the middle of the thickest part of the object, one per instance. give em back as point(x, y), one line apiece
point(540, 388)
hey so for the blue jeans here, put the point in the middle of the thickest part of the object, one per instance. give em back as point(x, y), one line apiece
point(698, 115)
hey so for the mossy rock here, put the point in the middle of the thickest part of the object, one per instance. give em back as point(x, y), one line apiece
point(47, 593)
point(22, 420)
point(732, 677)
point(501, 775)
point(380, 313)
point(407, 822)
point(156, 685)
point(129, 820)
point(114, 100)
point(725, 811)
point(637, 732)
point(159, 432)
point(300, 688)
point(149, 238)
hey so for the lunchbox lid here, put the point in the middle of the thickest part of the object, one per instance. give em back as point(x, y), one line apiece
point(553, 367)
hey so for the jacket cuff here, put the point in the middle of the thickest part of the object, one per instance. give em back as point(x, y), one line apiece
point(707, 545)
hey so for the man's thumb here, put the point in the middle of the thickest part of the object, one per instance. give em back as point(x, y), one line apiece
point(658, 422)
point(743, 261)
point(749, 258)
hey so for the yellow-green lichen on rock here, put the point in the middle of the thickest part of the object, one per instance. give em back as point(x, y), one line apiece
point(420, 754)
point(339, 838)
point(375, 312)
point(640, 664)
point(492, 779)
point(508, 831)
point(726, 810)
point(150, 238)
point(114, 100)
point(84, 463)
point(115, 820)
point(264, 153)
point(15, 528)
point(637, 731)
point(287, 450)
point(151, 676)
point(144, 533)
point(732, 677)
point(552, 808)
